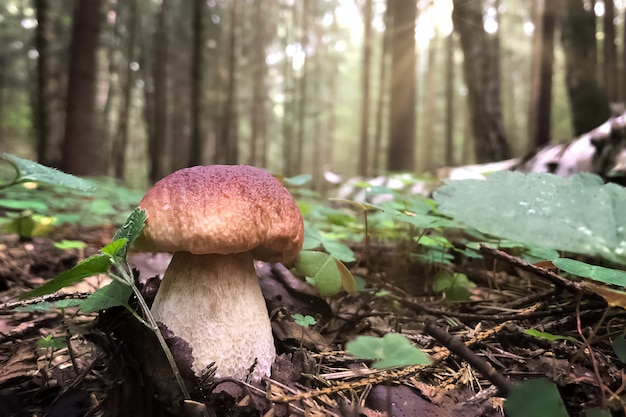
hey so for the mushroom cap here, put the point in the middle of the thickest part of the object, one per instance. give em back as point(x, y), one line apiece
point(222, 209)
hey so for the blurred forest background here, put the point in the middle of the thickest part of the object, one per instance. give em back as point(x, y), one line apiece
point(136, 89)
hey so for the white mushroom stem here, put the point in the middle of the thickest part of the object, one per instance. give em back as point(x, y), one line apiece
point(214, 302)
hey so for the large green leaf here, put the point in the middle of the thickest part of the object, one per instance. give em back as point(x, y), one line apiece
point(579, 214)
point(535, 397)
point(389, 351)
point(130, 230)
point(113, 295)
point(94, 265)
point(595, 272)
point(324, 272)
point(32, 171)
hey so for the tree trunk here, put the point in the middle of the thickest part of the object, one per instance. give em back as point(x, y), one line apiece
point(288, 87)
point(365, 89)
point(258, 109)
point(622, 89)
point(401, 151)
point(541, 73)
point(159, 132)
point(610, 52)
point(481, 73)
point(82, 148)
point(319, 62)
point(227, 150)
point(196, 151)
point(449, 102)
point(112, 38)
point(428, 142)
point(382, 88)
point(303, 81)
point(121, 139)
point(587, 99)
point(43, 38)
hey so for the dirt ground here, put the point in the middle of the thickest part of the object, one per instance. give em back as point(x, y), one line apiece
point(107, 364)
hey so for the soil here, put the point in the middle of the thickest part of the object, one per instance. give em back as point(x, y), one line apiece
point(108, 364)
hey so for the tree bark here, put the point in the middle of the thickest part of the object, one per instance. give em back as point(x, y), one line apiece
point(82, 149)
point(365, 89)
point(121, 139)
point(449, 104)
point(43, 38)
point(541, 73)
point(428, 142)
point(258, 109)
point(382, 88)
point(159, 132)
point(587, 99)
point(288, 90)
point(401, 150)
point(197, 85)
point(610, 52)
point(622, 88)
point(227, 150)
point(481, 73)
point(303, 81)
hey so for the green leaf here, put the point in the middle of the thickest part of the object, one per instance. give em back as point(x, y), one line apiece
point(49, 342)
point(130, 230)
point(619, 347)
point(304, 321)
point(113, 295)
point(70, 244)
point(392, 350)
point(94, 265)
point(347, 279)
point(32, 171)
point(433, 241)
point(597, 273)
point(321, 271)
point(455, 285)
point(548, 336)
point(581, 213)
point(298, 180)
point(113, 248)
point(597, 412)
point(421, 220)
point(34, 205)
point(338, 250)
point(536, 397)
point(102, 208)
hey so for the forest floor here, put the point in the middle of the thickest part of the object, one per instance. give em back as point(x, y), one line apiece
point(98, 365)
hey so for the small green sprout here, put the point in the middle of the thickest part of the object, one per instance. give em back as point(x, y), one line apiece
point(304, 321)
point(50, 342)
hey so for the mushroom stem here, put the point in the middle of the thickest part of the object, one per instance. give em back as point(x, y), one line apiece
point(214, 302)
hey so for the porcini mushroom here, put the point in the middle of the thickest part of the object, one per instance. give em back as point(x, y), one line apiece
point(216, 220)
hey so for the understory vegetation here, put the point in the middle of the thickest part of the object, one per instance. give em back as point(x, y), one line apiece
point(397, 250)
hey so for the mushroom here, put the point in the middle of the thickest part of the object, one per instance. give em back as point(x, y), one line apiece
point(216, 220)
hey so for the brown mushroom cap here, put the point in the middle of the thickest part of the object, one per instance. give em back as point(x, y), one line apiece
point(222, 209)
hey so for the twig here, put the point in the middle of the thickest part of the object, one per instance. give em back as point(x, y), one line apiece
point(50, 298)
point(553, 277)
point(592, 357)
point(459, 348)
point(416, 305)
